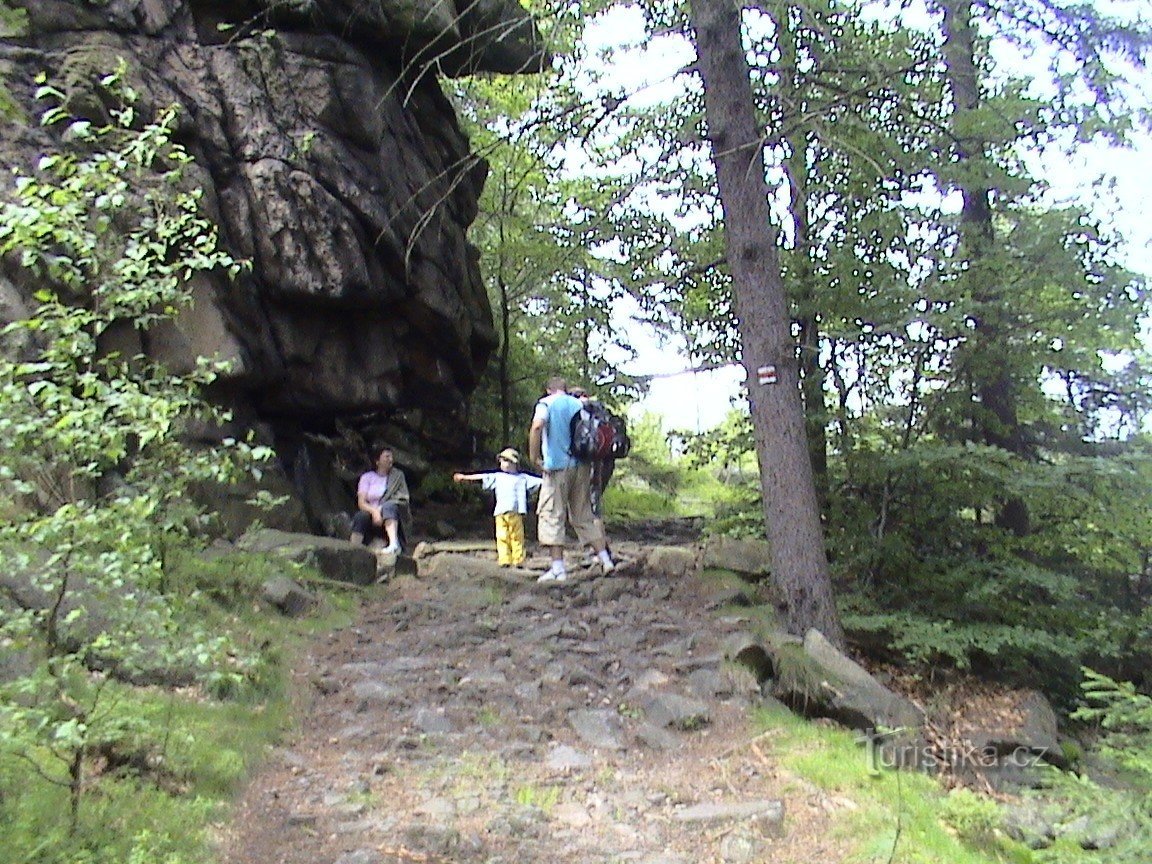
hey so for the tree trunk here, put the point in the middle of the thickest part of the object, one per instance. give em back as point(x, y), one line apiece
point(504, 365)
point(996, 420)
point(803, 272)
point(791, 512)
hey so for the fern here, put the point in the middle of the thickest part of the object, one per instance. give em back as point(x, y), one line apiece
point(1124, 716)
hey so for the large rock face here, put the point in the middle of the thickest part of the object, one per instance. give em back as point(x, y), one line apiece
point(333, 161)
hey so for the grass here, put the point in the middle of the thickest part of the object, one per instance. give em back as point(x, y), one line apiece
point(641, 489)
point(631, 503)
point(475, 774)
point(542, 798)
point(156, 787)
point(900, 817)
point(180, 769)
point(489, 717)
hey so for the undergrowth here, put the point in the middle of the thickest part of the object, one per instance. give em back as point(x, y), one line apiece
point(895, 817)
point(172, 758)
point(901, 817)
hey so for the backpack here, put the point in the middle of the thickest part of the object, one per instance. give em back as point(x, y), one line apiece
point(593, 434)
point(621, 443)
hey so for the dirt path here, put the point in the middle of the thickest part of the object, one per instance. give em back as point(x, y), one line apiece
point(485, 718)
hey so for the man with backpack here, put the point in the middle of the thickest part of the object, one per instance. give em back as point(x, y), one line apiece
point(566, 496)
point(601, 453)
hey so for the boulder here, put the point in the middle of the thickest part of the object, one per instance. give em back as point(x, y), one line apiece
point(1029, 726)
point(333, 559)
point(333, 164)
point(431, 564)
point(1003, 737)
point(749, 651)
point(598, 728)
point(813, 678)
point(1038, 823)
point(104, 620)
point(672, 561)
point(1030, 823)
point(848, 693)
point(288, 596)
point(671, 710)
point(749, 558)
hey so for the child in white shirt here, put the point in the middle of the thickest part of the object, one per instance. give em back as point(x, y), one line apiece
point(512, 488)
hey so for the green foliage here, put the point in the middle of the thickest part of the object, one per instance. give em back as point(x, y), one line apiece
point(656, 482)
point(13, 22)
point(552, 288)
point(1124, 718)
point(960, 379)
point(895, 816)
point(228, 579)
point(650, 463)
point(674, 474)
point(1110, 815)
point(722, 473)
point(916, 334)
point(634, 503)
point(543, 798)
point(94, 468)
point(917, 537)
point(1014, 651)
point(162, 763)
point(975, 818)
point(155, 787)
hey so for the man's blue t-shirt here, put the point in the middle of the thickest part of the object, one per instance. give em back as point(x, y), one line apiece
point(559, 409)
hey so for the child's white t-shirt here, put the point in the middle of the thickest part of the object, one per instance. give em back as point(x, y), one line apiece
point(511, 490)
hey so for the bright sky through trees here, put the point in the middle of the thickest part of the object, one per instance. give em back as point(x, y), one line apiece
point(1115, 184)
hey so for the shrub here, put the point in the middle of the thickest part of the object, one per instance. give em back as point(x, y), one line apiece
point(94, 469)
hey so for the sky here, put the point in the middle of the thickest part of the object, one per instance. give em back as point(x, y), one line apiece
point(689, 401)
point(694, 401)
point(700, 401)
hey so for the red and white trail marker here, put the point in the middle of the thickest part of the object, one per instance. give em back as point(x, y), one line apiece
point(766, 375)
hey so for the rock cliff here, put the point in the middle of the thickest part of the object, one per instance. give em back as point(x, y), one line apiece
point(333, 161)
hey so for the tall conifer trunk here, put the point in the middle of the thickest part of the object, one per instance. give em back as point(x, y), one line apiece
point(803, 281)
point(987, 358)
point(791, 511)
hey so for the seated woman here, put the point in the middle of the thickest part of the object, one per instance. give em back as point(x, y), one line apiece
point(381, 501)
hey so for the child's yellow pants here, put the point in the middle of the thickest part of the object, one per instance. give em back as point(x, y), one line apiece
point(510, 539)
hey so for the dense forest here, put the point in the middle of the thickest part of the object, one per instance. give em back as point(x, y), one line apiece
point(952, 460)
point(967, 346)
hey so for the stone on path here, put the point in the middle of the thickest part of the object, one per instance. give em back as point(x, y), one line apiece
point(288, 596)
point(767, 811)
point(598, 728)
point(565, 758)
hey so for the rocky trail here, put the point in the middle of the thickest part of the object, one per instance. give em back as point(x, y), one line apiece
point(473, 715)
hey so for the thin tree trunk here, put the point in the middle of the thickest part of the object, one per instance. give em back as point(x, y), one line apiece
point(75, 790)
point(504, 371)
point(504, 362)
point(804, 277)
point(791, 513)
point(996, 421)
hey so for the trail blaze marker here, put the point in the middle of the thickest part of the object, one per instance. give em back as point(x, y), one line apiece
point(766, 374)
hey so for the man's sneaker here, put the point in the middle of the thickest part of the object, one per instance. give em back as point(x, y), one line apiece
point(550, 576)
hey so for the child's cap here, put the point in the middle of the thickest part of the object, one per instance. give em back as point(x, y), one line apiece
point(509, 455)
